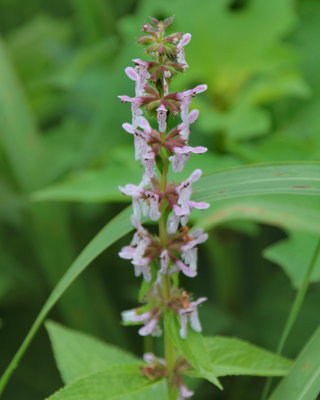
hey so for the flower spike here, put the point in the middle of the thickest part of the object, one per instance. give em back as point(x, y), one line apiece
point(160, 258)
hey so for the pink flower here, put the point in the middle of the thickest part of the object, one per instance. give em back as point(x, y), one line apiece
point(180, 49)
point(182, 155)
point(184, 191)
point(151, 327)
point(181, 251)
point(136, 251)
point(162, 118)
point(173, 223)
point(143, 75)
point(185, 126)
point(184, 392)
point(143, 151)
point(185, 100)
point(190, 251)
point(140, 75)
point(136, 111)
point(144, 202)
point(191, 273)
point(149, 319)
point(190, 314)
point(140, 140)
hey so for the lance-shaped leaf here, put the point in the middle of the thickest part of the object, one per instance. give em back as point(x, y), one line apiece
point(122, 382)
point(303, 380)
point(78, 354)
point(232, 356)
point(212, 357)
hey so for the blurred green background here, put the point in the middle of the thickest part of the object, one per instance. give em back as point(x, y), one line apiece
point(63, 154)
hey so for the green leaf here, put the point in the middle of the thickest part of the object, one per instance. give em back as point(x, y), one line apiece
point(78, 354)
point(114, 230)
point(266, 179)
point(303, 380)
point(294, 255)
point(289, 212)
point(123, 382)
point(303, 178)
point(260, 179)
point(232, 356)
point(193, 348)
point(92, 186)
point(102, 184)
point(216, 356)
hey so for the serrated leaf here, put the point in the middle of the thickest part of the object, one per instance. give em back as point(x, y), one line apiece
point(232, 356)
point(193, 348)
point(294, 255)
point(123, 382)
point(303, 380)
point(212, 357)
point(78, 354)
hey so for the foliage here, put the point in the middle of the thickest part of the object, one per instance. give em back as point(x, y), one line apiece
point(62, 156)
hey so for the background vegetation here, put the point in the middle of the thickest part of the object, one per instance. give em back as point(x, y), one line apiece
point(63, 154)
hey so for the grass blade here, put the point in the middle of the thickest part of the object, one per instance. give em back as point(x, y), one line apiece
point(294, 312)
point(303, 381)
point(266, 179)
point(114, 230)
point(294, 212)
point(260, 179)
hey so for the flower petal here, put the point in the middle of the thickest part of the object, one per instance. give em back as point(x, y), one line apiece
point(131, 73)
point(191, 273)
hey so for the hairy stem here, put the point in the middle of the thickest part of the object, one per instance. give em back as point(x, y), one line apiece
point(169, 351)
point(168, 345)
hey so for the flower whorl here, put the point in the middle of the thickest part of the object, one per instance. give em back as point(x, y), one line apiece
point(155, 198)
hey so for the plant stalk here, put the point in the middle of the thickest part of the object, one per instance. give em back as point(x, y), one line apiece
point(169, 350)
